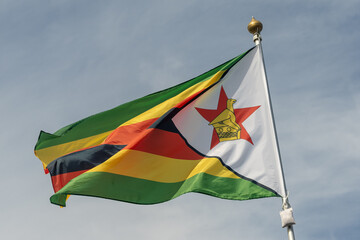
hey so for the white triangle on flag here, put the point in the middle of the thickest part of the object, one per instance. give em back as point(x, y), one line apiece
point(246, 83)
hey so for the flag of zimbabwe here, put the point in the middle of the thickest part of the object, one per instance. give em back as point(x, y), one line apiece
point(212, 134)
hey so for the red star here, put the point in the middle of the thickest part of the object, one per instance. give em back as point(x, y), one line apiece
point(241, 115)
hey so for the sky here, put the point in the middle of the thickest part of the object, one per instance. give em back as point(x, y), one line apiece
point(64, 60)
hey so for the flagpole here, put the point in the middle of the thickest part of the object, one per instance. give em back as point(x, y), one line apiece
point(255, 27)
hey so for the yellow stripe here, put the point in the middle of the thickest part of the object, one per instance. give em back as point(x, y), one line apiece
point(47, 155)
point(165, 106)
point(157, 168)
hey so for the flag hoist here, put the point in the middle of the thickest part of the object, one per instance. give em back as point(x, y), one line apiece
point(287, 219)
point(213, 134)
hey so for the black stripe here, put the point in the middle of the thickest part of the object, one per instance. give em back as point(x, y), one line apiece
point(83, 160)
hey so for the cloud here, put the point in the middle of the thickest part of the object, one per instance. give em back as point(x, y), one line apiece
point(63, 60)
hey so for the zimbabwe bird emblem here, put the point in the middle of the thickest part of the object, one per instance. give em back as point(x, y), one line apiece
point(227, 121)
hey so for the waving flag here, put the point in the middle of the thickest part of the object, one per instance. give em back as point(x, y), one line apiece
point(212, 134)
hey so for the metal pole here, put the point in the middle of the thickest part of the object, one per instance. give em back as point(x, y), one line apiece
point(255, 28)
point(290, 232)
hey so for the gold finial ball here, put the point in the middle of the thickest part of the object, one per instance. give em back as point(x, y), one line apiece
point(254, 26)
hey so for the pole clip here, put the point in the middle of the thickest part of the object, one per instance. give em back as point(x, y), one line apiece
point(286, 215)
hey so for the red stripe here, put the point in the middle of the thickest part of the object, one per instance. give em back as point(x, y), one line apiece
point(167, 144)
point(124, 135)
point(59, 181)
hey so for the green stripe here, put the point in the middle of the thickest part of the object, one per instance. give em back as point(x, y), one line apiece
point(140, 191)
point(111, 119)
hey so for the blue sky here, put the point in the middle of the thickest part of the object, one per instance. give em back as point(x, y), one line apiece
point(64, 60)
